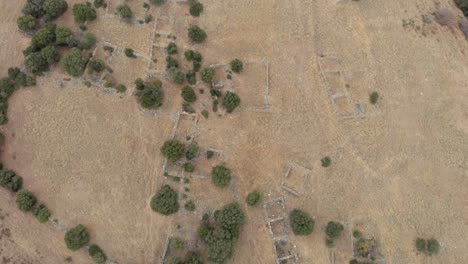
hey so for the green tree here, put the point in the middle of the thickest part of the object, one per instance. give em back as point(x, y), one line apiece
point(124, 11)
point(121, 88)
point(25, 200)
point(84, 12)
point(9, 180)
point(191, 77)
point(55, 8)
point(26, 23)
point(171, 62)
point(326, 161)
point(151, 95)
point(237, 65)
point(97, 65)
point(173, 150)
point(73, 62)
point(196, 34)
point(230, 101)
point(43, 214)
point(34, 8)
point(207, 75)
point(193, 258)
point(188, 94)
point(88, 41)
point(99, 3)
point(158, 2)
point(43, 38)
point(421, 244)
point(64, 36)
point(36, 63)
point(433, 246)
point(253, 198)
point(189, 206)
point(334, 229)
point(230, 217)
point(188, 167)
point(463, 5)
point(171, 48)
point(192, 151)
point(97, 254)
point(221, 176)
point(50, 54)
point(177, 76)
point(129, 53)
point(196, 8)
point(374, 97)
point(76, 237)
point(165, 201)
point(7, 87)
point(301, 223)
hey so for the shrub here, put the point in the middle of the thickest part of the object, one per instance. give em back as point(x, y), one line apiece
point(98, 3)
point(421, 244)
point(173, 150)
point(150, 95)
point(329, 242)
point(171, 62)
point(215, 106)
point(7, 87)
point(237, 65)
point(196, 34)
point(10, 181)
point(50, 55)
point(192, 151)
point(43, 38)
point(35, 63)
point(196, 8)
point(26, 23)
point(84, 12)
point(188, 167)
point(76, 237)
point(205, 114)
point(374, 97)
point(124, 11)
point(301, 223)
point(108, 49)
point(165, 201)
point(230, 101)
point(176, 243)
point(191, 77)
point(73, 62)
point(188, 54)
point(188, 94)
point(433, 246)
point(55, 8)
point(193, 258)
point(64, 36)
point(148, 18)
point(121, 88)
point(96, 253)
point(34, 8)
point(253, 198)
point(221, 176)
point(364, 246)
point(176, 76)
point(171, 48)
point(129, 53)
point(334, 229)
point(190, 206)
point(207, 75)
point(139, 84)
point(43, 215)
point(88, 41)
point(25, 200)
point(157, 2)
point(174, 260)
point(463, 5)
point(357, 234)
point(97, 65)
point(209, 154)
point(326, 162)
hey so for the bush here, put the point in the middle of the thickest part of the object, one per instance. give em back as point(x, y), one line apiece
point(99, 3)
point(73, 62)
point(463, 5)
point(364, 246)
point(165, 201)
point(43, 214)
point(326, 162)
point(209, 154)
point(301, 223)
point(188, 167)
point(55, 8)
point(150, 95)
point(421, 244)
point(34, 8)
point(188, 94)
point(148, 18)
point(207, 75)
point(76, 237)
point(190, 206)
point(173, 150)
point(221, 176)
point(196, 34)
point(64, 36)
point(237, 65)
point(96, 253)
point(188, 54)
point(196, 8)
point(7, 87)
point(334, 229)
point(171, 62)
point(171, 48)
point(253, 198)
point(97, 65)
point(357, 234)
point(193, 258)
point(433, 246)
point(9, 180)
point(26, 23)
point(374, 97)
point(192, 151)
point(129, 53)
point(88, 41)
point(230, 101)
point(84, 12)
point(176, 243)
point(25, 200)
point(157, 2)
point(121, 88)
point(43, 38)
point(191, 77)
point(35, 63)
point(124, 11)
point(177, 76)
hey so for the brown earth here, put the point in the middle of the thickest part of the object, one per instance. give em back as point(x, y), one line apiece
point(397, 174)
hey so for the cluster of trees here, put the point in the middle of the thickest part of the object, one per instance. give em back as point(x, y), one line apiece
point(15, 79)
point(221, 235)
point(333, 231)
point(165, 201)
point(196, 58)
point(427, 246)
point(301, 223)
point(149, 94)
point(34, 10)
point(221, 176)
point(84, 12)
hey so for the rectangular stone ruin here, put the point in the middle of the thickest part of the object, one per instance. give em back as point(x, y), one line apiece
point(186, 127)
point(203, 165)
point(296, 180)
point(253, 86)
point(275, 209)
point(164, 25)
point(335, 83)
point(285, 251)
point(278, 227)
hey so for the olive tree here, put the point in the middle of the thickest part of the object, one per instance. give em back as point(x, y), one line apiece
point(55, 8)
point(36, 63)
point(76, 237)
point(26, 23)
point(73, 62)
point(9, 180)
point(64, 36)
point(301, 223)
point(207, 75)
point(196, 34)
point(221, 176)
point(124, 11)
point(237, 65)
point(25, 200)
point(230, 101)
point(34, 8)
point(43, 38)
point(84, 12)
point(334, 229)
point(150, 95)
point(165, 201)
point(173, 150)
point(188, 94)
point(253, 198)
point(97, 254)
point(196, 8)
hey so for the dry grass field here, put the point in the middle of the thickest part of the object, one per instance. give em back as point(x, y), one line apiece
point(399, 169)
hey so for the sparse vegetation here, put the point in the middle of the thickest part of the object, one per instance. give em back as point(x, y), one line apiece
point(364, 246)
point(253, 198)
point(173, 150)
point(231, 101)
point(237, 65)
point(76, 238)
point(88, 41)
point(196, 34)
point(165, 201)
point(158, 2)
point(301, 223)
point(25, 200)
point(221, 176)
